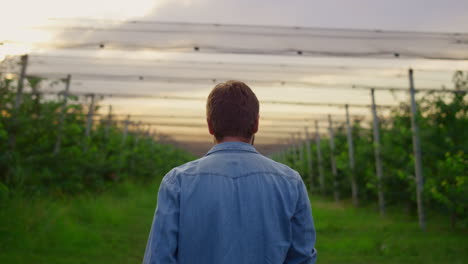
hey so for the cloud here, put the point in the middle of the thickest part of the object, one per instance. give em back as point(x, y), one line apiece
point(20, 17)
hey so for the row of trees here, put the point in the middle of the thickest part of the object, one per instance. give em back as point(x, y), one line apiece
point(443, 123)
point(31, 162)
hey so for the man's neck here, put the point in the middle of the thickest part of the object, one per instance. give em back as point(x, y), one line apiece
point(234, 139)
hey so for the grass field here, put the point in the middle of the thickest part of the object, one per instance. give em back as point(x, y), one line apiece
point(113, 228)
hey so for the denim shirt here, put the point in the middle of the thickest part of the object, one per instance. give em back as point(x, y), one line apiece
point(234, 205)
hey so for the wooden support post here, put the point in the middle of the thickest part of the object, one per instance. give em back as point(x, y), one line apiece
point(137, 133)
point(153, 135)
point(19, 93)
point(282, 152)
point(319, 158)
point(148, 132)
point(293, 150)
point(109, 121)
point(417, 154)
point(137, 136)
point(300, 146)
point(63, 114)
point(89, 122)
point(378, 162)
point(336, 192)
point(309, 159)
point(352, 167)
point(125, 132)
point(18, 101)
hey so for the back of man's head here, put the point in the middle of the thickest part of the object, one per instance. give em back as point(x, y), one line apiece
point(232, 111)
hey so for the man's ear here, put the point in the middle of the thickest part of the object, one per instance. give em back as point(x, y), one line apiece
point(255, 129)
point(210, 127)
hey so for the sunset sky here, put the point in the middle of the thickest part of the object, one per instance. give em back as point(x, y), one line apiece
point(40, 27)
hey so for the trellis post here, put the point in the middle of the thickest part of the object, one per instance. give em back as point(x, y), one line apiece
point(336, 192)
point(58, 142)
point(125, 132)
point(18, 100)
point(319, 158)
point(349, 134)
point(378, 162)
point(309, 158)
point(293, 150)
point(417, 154)
point(89, 122)
point(19, 93)
point(109, 121)
point(301, 151)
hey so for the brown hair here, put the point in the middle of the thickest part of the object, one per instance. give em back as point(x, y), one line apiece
point(232, 109)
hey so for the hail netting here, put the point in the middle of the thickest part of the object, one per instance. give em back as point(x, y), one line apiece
point(248, 39)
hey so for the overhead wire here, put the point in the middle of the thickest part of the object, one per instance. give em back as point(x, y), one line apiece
point(214, 80)
point(193, 98)
point(243, 65)
point(236, 50)
point(217, 25)
point(163, 30)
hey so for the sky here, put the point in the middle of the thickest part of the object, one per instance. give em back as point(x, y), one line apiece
point(425, 15)
point(23, 18)
point(414, 15)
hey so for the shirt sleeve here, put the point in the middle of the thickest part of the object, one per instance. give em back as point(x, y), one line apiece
point(302, 249)
point(163, 238)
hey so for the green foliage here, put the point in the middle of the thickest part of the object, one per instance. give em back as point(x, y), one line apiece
point(450, 188)
point(28, 136)
point(443, 124)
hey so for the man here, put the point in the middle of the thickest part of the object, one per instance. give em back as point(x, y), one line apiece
point(233, 205)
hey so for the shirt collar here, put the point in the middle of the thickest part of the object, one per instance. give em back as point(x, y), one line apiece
point(232, 146)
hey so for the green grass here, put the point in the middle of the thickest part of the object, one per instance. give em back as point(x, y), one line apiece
point(110, 228)
point(113, 228)
point(360, 235)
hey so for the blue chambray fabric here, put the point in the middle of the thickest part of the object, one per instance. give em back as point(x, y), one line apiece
point(234, 205)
